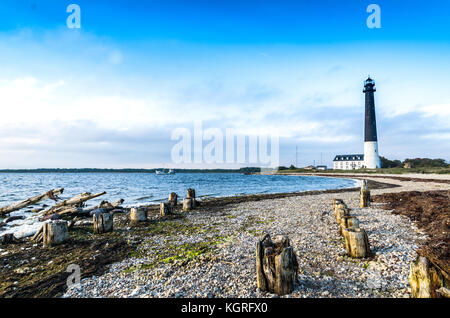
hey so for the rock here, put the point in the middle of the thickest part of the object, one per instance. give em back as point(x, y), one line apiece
point(13, 218)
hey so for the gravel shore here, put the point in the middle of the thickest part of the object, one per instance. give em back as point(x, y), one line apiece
point(212, 253)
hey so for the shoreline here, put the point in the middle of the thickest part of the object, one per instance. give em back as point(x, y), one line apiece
point(208, 252)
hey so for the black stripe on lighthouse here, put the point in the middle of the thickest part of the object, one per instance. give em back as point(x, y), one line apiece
point(370, 127)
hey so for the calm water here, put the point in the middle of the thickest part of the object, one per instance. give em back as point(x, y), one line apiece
point(144, 188)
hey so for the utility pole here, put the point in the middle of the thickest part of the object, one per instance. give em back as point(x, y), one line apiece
point(296, 156)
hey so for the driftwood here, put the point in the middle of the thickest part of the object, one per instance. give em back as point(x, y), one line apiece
point(188, 204)
point(55, 232)
point(276, 265)
point(165, 209)
point(38, 236)
point(72, 205)
point(356, 242)
point(137, 215)
point(173, 198)
point(364, 195)
point(79, 199)
point(52, 194)
point(60, 210)
point(425, 279)
point(103, 222)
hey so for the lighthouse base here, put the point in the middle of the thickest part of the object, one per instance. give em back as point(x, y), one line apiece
point(371, 157)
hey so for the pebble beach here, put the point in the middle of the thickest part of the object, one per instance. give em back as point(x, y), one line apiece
point(215, 251)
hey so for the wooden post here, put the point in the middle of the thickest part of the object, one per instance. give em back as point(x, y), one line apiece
point(424, 278)
point(165, 209)
point(190, 193)
point(348, 221)
point(276, 265)
point(137, 215)
point(55, 232)
point(173, 198)
point(364, 195)
point(341, 210)
point(336, 202)
point(103, 222)
point(188, 204)
point(356, 242)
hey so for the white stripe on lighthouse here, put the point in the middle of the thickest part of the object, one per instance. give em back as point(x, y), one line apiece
point(371, 157)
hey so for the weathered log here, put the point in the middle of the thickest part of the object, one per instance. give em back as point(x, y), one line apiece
point(52, 194)
point(37, 237)
point(356, 242)
point(79, 199)
point(348, 221)
point(425, 279)
point(341, 211)
point(165, 208)
point(276, 265)
point(188, 204)
point(103, 222)
point(364, 194)
point(137, 215)
point(173, 198)
point(190, 193)
point(55, 232)
point(60, 210)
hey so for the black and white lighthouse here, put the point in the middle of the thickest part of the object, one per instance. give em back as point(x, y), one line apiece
point(371, 157)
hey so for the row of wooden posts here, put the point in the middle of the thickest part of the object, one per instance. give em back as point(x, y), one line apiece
point(56, 231)
point(276, 262)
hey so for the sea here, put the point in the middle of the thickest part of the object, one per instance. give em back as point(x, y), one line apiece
point(145, 188)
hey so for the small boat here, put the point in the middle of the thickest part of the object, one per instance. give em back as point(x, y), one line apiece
point(164, 172)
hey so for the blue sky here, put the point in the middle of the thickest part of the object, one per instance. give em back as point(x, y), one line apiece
point(111, 93)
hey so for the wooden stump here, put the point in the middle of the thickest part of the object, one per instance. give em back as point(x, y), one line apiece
point(336, 202)
point(276, 265)
point(173, 198)
point(348, 222)
point(103, 222)
point(356, 242)
point(341, 211)
point(137, 215)
point(364, 194)
point(190, 193)
point(165, 208)
point(424, 279)
point(188, 204)
point(55, 232)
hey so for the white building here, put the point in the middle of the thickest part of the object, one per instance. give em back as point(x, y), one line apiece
point(348, 162)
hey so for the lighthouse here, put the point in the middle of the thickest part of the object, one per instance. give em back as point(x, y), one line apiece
point(371, 156)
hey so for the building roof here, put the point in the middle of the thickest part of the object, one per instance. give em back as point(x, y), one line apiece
point(356, 157)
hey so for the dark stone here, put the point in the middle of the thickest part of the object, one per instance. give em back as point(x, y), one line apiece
point(13, 218)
